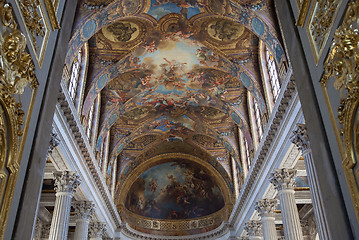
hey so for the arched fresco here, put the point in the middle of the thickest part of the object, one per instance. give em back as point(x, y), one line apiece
point(175, 190)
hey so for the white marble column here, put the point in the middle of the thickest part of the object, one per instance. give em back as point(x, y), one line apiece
point(284, 181)
point(265, 208)
point(254, 229)
point(97, 230)
point(301, 140)
point(84, 210)
point(65, 184)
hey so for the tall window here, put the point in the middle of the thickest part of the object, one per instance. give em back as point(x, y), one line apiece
point(258, 119)
point(90, 121)
point(75, 73)
point(273, 75)
point(248, 159)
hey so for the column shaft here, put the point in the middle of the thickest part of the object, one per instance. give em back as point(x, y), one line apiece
point(291, 223)
point(82, 229)
point(60, 219)
point(269, 231)
point(320, 218)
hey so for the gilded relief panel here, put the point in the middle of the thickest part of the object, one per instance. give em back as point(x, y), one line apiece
point(320, 23)
point(37, 26)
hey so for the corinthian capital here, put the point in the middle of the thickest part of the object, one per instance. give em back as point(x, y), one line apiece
point(97, 229)
point(266, 207)
point(300, 137)
point(283, 178)
point(253, 228)
point(84, 209)
point(66, 181)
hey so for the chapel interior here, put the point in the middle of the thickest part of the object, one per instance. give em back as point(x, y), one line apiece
point(179, 119)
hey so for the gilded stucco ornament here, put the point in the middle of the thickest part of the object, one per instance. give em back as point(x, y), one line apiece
point(16, 73)
point(32, 18)
point(342, 64)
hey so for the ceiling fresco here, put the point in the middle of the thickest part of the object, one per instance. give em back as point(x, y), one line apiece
point(173, 77)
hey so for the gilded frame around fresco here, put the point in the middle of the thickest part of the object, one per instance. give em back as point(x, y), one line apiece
point(17, 71)
point(341, 65)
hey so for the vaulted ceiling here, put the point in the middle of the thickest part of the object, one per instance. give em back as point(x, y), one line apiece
point(173, 78)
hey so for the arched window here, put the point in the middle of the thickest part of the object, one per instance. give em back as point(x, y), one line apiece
point(273, 75)
point(258, 119)
point(75, 73)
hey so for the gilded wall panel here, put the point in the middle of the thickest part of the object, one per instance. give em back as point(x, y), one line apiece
point(341, 71)
point(16, 74)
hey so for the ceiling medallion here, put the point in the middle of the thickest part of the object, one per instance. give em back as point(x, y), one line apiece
point(122, 31)
point(225, 30)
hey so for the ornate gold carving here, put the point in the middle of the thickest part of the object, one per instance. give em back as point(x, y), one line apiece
point(51, 12)
point(303, 12)
point(32, 18)
point(320, 23)
point(342, 64)
point(16, 73)
point(37, 26)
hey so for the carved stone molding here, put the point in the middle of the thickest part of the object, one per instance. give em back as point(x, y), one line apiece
point(253, 228)
point(300, 137)
point(97, 230)
point(70, 113)
point(66, 181)
point(84, 209)
point(266, 207)
point(283, 179)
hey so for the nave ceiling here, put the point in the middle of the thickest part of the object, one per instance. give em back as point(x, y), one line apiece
point(172, 79)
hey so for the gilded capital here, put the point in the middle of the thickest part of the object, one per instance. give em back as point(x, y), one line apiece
point(66, 181)
point(266, 207)
point(300, 137)
point(253, 227)
point(84, 209)
point(97, 229)
point(283, 179)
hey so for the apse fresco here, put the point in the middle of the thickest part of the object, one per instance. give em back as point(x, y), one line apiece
point(175, 190)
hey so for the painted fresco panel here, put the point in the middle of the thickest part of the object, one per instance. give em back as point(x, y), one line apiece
point(175, 190)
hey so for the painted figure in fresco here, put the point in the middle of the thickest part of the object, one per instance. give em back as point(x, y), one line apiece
point(122, 31)
point(206, 57)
